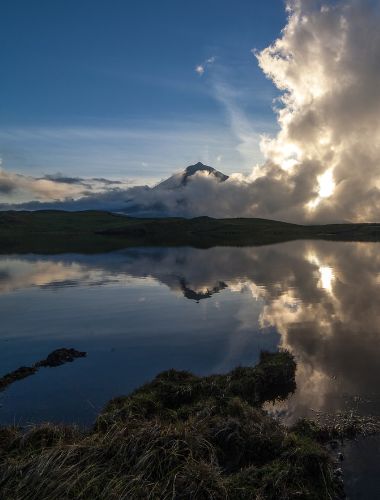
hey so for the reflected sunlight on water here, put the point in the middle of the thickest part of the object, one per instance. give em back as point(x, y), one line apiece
point(139, 311)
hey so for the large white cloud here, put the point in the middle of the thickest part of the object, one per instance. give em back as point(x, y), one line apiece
point(327, 65)
point(324, 164)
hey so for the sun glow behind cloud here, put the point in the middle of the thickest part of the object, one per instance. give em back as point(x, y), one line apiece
point(326, 184)
point(326, 188)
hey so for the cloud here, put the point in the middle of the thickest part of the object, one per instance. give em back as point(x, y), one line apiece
point(55, 188)
point(108, 182)
point(64, 179)
point(6, 184)
point(201, 68)
point(324, 163)
point(242, 128)
point(87, 182)
point(326, 64)
point(60, 178)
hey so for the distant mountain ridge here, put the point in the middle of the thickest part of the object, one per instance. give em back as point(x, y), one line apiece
point(181, 179)
point(148, 201)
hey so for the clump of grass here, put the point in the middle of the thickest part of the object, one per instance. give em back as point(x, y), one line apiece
point(339, 425)
point(177, 437)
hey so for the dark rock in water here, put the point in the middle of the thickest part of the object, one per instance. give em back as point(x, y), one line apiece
point(55, 358)
point(19, 374)
point(60, 357)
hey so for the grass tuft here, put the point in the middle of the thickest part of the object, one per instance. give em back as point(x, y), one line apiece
point(177, 437)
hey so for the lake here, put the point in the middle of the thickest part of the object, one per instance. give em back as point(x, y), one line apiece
point(139, 311)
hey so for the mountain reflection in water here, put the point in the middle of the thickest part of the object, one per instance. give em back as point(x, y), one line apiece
point(322, 299)
point(140, 311)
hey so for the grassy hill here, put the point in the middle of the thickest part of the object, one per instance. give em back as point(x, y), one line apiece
point(94, 231)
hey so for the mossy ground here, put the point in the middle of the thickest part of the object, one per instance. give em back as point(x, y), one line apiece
point(178, 437)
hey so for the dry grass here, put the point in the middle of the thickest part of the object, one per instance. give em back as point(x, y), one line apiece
point(178, 437)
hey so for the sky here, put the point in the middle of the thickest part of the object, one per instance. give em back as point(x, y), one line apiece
point(100, 100)
point(134, 90)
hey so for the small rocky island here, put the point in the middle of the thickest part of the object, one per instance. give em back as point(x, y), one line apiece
point(55, 358)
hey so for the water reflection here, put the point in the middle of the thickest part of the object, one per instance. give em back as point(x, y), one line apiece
point(319, 299)
point(140, 311)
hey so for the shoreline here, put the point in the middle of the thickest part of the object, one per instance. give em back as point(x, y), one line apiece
point(91, 232)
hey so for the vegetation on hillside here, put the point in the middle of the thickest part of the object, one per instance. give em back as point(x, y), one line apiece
point(92, 232)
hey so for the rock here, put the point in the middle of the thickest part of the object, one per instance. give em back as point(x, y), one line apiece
point(55, 358)
point(19, 374)
point(60, 357)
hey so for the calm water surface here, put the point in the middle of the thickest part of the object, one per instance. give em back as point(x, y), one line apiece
point(141, 311)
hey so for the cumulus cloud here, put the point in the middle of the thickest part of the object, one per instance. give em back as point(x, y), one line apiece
point(327, 65)
point(324, 164)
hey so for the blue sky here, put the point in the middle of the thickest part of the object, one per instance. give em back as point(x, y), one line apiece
point(109, 88)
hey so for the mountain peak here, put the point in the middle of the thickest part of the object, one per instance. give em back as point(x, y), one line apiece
point(181, 179)
point(200, 167)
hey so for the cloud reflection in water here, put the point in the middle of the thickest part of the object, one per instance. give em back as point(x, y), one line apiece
point(321, 298)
